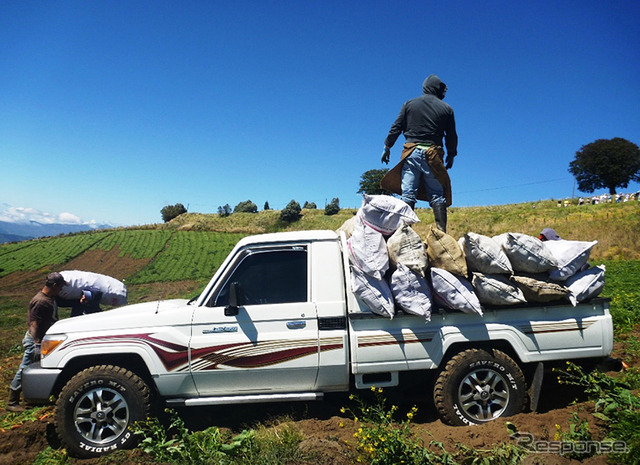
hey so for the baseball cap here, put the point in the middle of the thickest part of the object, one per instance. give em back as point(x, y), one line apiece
point(56, 278)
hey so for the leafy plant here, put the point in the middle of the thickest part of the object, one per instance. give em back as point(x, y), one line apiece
point(380, 440)
point(578, 432)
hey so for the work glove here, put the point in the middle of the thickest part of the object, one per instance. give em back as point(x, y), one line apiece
point(449, 161)
point(386, 154)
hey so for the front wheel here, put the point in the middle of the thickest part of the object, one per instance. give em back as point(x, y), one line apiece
point(477, 386)
point(96, 408)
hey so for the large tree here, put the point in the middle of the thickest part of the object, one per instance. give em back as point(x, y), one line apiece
point(169, 212)
point(370, 182)
point(606, 163)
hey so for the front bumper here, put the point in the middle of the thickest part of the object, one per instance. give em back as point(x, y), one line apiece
point(38, 383)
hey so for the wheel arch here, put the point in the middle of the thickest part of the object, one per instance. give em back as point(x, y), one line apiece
point(130, 361)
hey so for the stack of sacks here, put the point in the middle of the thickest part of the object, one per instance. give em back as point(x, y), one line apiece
point(537, 271)
point(449, 273)
point(381, 216)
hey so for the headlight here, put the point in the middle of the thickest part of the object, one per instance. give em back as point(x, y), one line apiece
point(50, 343)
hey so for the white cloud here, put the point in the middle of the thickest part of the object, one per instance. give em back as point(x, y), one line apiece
point(27, 214)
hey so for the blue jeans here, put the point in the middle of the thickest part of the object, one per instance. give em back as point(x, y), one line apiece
point(415, 169)
point(31, 352)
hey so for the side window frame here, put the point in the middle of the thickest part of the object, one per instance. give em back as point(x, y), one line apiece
point(245, 254)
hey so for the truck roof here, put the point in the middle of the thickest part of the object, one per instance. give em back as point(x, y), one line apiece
point(289, 236)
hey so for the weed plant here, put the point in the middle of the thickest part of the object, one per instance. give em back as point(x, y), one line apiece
point(177, 445)
point(615, 404)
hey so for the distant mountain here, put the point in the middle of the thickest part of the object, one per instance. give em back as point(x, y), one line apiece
point(16, 232)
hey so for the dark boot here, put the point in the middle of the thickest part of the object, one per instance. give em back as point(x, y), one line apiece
point(14, 401)
point(440, 214)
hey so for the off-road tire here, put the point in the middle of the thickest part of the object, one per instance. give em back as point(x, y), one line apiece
point(477, 386)
point(96, 408)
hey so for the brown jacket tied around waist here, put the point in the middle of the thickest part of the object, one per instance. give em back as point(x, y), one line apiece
point(392, 181)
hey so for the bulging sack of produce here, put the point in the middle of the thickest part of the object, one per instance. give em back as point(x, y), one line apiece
point(445, 253)
point(496, 290)
point(586, 284)
point(368, 250)
point(114, 292)
point(347, 227)
point(485, 255)
point(411, 292)
point(374, 293)
point(538, 291)
point(527, 254)
point(571, 257)
point(406, 247)
point(455, 292)
point(384, 213)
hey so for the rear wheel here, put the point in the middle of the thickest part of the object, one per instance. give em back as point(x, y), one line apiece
point(96, 408)
point(477, 386)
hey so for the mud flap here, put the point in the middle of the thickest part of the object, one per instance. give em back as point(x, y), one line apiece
point(536, 387)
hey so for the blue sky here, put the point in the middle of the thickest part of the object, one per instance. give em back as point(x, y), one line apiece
point(110, 110)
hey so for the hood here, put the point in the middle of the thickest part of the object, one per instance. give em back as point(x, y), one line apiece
point(433, 85)
point(161, 313)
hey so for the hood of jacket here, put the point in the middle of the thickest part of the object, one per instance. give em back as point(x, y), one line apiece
point(433, 85)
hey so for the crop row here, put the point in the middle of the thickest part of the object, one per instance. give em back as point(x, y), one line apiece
point(41, 253)
point(188, 255)
point(136, 243)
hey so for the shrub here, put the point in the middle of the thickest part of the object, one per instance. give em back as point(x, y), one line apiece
point(246, 207)
point(310, 205)
point(169, 212)
point(291, 212)
point(224, 211)
point(333, 207)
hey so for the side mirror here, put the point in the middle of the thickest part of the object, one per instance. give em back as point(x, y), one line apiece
point(234, 301)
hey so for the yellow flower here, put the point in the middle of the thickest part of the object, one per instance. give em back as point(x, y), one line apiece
point(341, 425)
point(373, 389)
point(410, 415)
point(343, 410)
point(350, 396)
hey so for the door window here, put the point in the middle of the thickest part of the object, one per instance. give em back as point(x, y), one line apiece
point(269, 277)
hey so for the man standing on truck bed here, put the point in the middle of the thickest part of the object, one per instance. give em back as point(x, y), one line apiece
point(43, 313)
point(421, 173)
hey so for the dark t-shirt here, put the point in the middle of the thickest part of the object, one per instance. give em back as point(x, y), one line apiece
point(44, 312)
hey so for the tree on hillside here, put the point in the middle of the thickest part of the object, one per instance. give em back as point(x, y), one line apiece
point(246, 207)
point(266, 206)
point(310, 205)
point(370, 182)
point(291, 212)
point(606, 163)
point(169, 212)
point(333, 207)
point(224, 211)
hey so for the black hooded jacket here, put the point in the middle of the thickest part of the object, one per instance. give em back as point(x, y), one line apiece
point(426, 119)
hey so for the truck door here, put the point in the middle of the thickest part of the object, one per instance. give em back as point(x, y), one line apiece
point(271, 342)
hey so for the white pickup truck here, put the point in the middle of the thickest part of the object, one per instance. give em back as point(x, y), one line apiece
point(279, 322)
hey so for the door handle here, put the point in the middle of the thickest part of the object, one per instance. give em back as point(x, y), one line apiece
point(296, 324)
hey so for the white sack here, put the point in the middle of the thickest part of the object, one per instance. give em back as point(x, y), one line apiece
point(496, 290)
point(484, 254)
point(411, 292)
point(114, 292)
point(384, 213)
point(456, 292)
point(527, 254)
point(570, 255)
point(368, 250)
point(375, 293)
point(407, 248)
point(586, 284)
